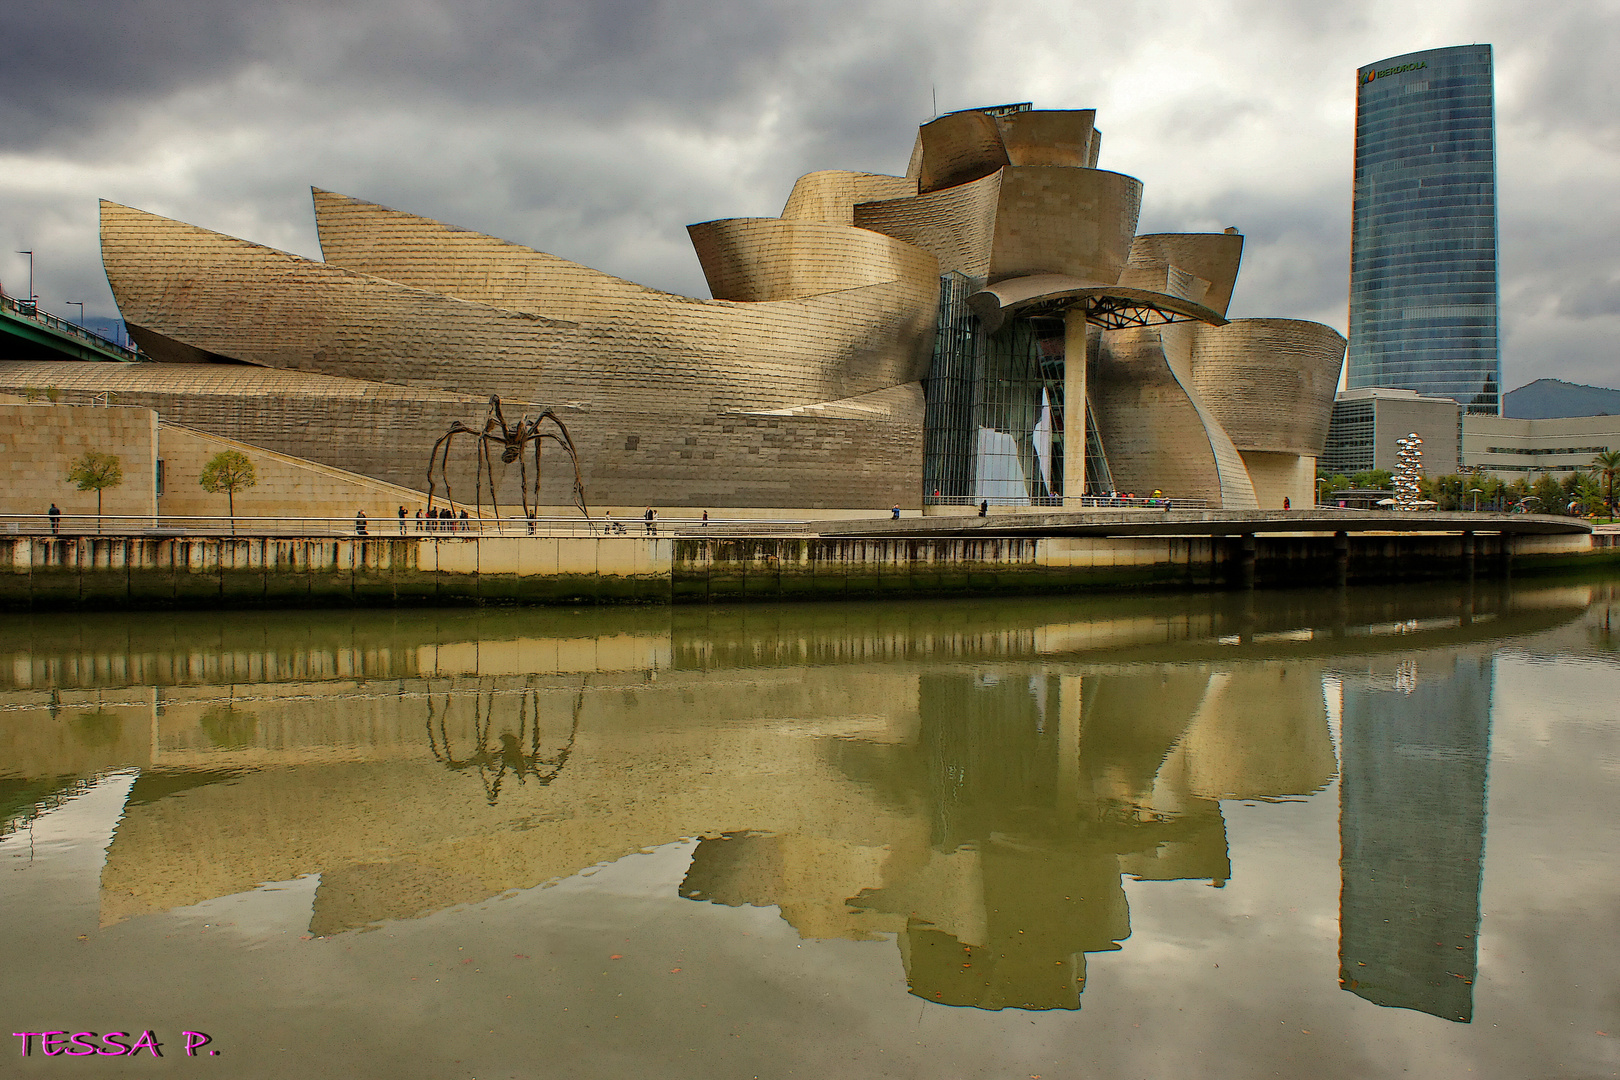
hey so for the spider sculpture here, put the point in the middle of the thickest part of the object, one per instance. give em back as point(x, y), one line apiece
point(511, 440)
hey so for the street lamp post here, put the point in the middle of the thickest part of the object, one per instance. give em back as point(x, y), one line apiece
point(1475, 493)
point(81, 309)
point(33, 300)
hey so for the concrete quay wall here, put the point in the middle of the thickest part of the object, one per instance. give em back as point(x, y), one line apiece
point(38, 573)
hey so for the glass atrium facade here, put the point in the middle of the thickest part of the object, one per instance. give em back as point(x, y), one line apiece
point(1423, 260)
point(994, 427)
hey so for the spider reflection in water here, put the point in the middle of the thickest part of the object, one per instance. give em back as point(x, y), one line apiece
point(495, 757)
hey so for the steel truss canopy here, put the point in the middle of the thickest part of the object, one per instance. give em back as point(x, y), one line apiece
point(1113, 307)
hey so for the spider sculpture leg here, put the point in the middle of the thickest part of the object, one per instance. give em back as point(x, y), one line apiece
point(573, 456)
point(535, 439)
point(444, 469)
point(579, 482)
point(523, 485)
point(441, 451)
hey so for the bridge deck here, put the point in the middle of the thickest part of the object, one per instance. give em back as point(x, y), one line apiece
point(25, 328)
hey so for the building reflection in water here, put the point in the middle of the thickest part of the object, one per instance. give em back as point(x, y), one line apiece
point(972, 782)
point(1412, 830)
point(1035, 793)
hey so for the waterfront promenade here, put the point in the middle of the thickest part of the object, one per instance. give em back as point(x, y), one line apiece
point(160, 564)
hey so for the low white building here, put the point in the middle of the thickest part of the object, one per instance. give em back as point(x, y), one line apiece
point(1527, 449)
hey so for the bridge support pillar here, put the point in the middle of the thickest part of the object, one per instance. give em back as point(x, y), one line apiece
point(1246, 560)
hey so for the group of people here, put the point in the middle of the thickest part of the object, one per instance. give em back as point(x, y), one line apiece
point(438, 520)
point(433, 520)
point(649, 521)
point(1129, 498)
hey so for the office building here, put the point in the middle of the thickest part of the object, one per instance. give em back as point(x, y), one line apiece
point(1528, 449)
point(1423, 251)
point(1367, 423)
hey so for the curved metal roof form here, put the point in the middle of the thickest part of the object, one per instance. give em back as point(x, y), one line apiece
point(799, 383)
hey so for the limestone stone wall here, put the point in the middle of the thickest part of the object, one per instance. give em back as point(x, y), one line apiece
point(38, 443)
point(286, 486)
point(831, 455)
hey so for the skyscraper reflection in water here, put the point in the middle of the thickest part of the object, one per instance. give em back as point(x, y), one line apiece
point(1412, 830)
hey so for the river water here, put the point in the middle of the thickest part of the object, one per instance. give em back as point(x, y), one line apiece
point(1360, 833)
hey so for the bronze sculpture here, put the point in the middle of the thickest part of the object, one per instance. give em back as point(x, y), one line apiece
point(512, 439)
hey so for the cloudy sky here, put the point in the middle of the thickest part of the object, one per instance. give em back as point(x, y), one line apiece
point(598, 129)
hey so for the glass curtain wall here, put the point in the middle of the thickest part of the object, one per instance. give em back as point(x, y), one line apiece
point(1423, 262)
point(993, 429)
point(1018, 415)
point(948, 390)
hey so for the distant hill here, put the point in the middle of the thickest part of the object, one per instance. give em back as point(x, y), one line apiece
point(1547, 398)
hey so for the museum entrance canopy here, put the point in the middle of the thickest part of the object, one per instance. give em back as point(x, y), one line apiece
point(1113, 307)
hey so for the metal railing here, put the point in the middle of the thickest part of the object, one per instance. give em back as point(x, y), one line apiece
point(1089, 502)
point(146, 527)
point(68, 329)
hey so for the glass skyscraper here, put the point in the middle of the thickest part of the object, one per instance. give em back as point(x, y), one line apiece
point(1423, 287)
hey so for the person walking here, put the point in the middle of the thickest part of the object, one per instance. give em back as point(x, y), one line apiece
point(56, 519)
point(651, 518)
point(705, 519)
point(465, 525)
point(359, 523)
point(896, 511)
point(984, 508)
point(1286, 504)
point(418, 520)
point(402, 521)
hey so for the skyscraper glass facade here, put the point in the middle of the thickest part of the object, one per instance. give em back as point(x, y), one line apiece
point(1423, 282)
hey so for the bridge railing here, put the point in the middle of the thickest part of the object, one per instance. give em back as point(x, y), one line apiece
point(62, 326)
point(148, 527)
point(1055, 502)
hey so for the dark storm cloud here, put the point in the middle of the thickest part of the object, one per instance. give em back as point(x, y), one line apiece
point(599, 130)
point(78, 66)
point(66, 66)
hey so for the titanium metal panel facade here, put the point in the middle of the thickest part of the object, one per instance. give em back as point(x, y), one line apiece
point(1423, 260)
point(834, 369)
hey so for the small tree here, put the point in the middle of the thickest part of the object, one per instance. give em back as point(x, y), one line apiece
point(96, 472)
point(229, 471)
point(1550, 493)
point(1606, 464)
point(1373, 480)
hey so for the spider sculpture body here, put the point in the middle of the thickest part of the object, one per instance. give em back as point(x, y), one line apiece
point(510, 441)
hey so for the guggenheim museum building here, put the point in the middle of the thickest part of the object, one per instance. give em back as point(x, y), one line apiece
point(988, 326)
